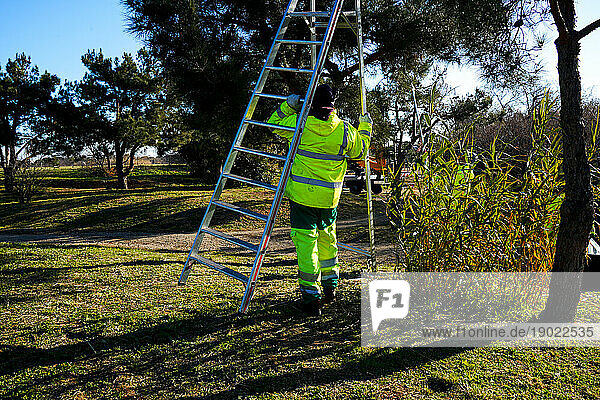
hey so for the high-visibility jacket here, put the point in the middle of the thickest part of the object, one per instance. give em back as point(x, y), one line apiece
point(319, 167)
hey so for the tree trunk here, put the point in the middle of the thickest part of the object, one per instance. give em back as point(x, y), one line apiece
point(577, 211)
point(9, 168)
point(9, 179)
point(121, 175)
point(131, 161)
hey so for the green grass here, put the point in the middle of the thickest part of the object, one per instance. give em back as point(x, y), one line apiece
point(165, 199)
point(135, 210)
point(92, 322)
point(96, 322)
point(141, 176)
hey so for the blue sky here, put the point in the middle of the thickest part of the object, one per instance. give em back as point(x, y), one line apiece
point(57, 33)
point(465, 80)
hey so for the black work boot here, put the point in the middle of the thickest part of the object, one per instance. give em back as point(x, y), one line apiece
point(328, 294)
point(312, 309)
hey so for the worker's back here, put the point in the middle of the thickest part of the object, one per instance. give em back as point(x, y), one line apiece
point(314, 188)
point(319, 167)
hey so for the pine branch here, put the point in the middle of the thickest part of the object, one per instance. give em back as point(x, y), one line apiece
point(371, 58)
point(588, 29)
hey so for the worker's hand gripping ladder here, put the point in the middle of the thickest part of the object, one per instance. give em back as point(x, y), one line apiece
point(318, 59)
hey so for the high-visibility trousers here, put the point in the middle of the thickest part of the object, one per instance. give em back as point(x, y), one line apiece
point(313, 234)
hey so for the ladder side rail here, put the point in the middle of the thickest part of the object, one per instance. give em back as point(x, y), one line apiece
point(313, 34)
point(243, 125)
point(294, 144)
point(363, 107)
point(354, 249)
point(260, 83)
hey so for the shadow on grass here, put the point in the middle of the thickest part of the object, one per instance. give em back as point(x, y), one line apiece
point(187, 348)
point(158, 215)
point(269, 349)
point(15, 277)
point(186, 221)
point(29, 276)
point(18, 276)
point(34, 276)
point(138, 214)
point(58, 243)
point(17, 358)
point(14, 214)
point(127, 216)
point(7, 300)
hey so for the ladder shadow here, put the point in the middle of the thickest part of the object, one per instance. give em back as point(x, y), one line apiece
point(188, 343)
point(334, 336)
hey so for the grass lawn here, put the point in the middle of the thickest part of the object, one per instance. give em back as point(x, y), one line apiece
point(96, 322)
point(162, 199)
point(90, 322)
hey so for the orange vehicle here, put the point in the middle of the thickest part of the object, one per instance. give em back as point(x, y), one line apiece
point(355, 179)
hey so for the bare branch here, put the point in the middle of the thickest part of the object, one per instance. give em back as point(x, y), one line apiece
point(563, 33)
point(24, 146)
point(588, 29)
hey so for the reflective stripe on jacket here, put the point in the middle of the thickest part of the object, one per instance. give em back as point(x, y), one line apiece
point(319, 167)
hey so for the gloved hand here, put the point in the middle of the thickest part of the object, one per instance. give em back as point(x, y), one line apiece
point(293, 101)
point(366, 117)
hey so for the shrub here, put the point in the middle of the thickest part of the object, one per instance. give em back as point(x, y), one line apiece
point(468, 210)
point(27, 180)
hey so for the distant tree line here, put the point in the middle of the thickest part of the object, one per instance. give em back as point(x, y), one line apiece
point(120, 106)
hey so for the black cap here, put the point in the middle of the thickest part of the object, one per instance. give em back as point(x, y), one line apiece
point(324, 96)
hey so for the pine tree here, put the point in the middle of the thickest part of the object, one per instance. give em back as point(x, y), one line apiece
point(24, 97)
point(120, 108)
point(212, 51)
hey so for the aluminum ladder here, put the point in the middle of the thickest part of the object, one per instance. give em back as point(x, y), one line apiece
point(319, 50)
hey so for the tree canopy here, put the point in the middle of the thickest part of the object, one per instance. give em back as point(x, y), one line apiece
point(24, 98)
point(212, 50)
point(118, 108)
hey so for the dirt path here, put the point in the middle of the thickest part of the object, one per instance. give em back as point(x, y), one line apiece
point(280, 240)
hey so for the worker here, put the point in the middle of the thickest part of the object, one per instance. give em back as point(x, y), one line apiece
point(314, 188)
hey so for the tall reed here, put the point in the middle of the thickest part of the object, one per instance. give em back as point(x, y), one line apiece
point(467, 209)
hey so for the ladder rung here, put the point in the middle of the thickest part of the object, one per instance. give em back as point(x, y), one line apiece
point(339, 25)
point(272, 96)
point(260, 153)
point(221, 268)
point(271, 126)
point(240, 210)
point(325, 14)
point(231, 239)
point(354, 249)
point(250, 181)
point(286, 69)
point(290, 41)
point(319, 13)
